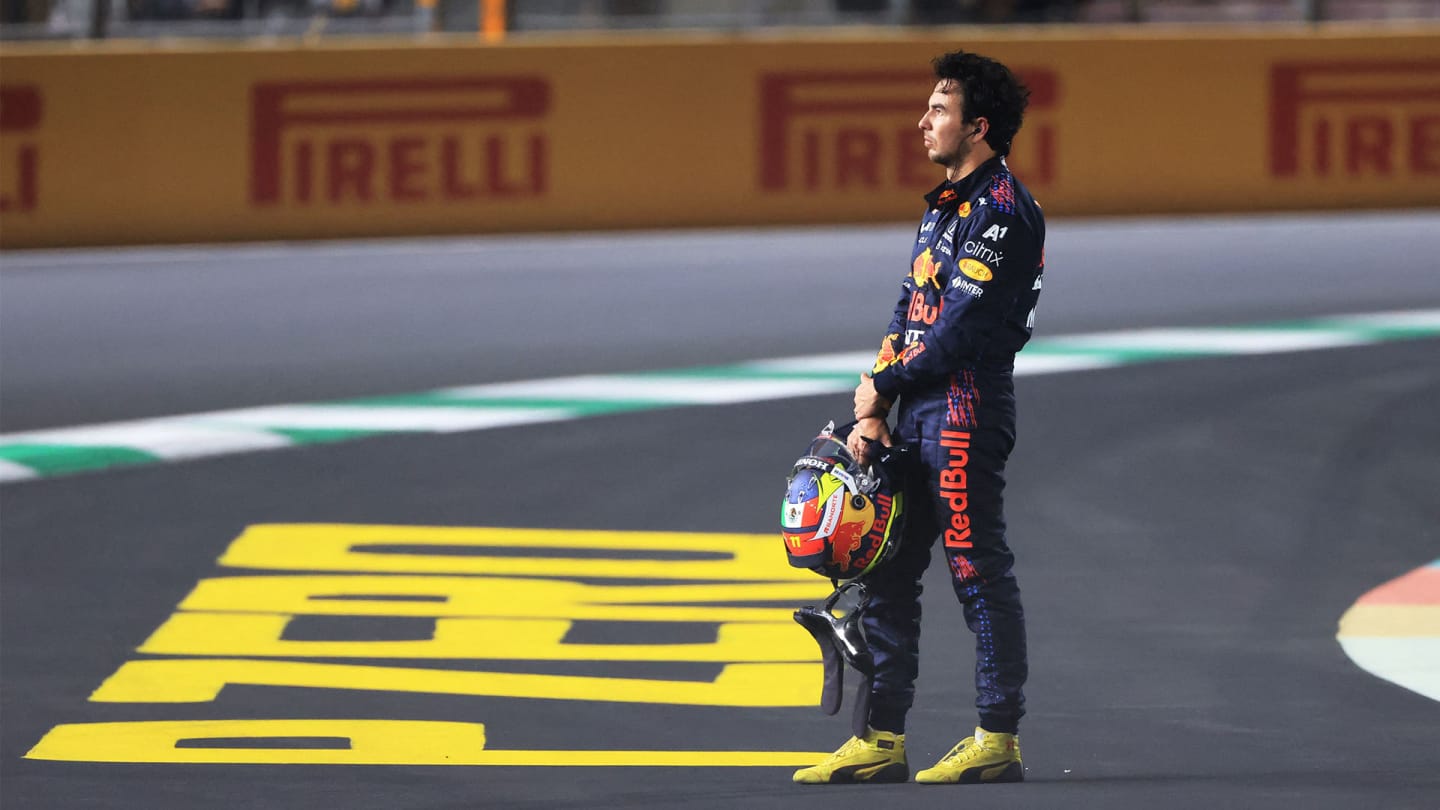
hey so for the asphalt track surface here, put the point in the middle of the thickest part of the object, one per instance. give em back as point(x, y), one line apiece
point(1188, 533)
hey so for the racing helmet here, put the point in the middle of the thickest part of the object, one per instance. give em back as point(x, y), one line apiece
point(839, 519)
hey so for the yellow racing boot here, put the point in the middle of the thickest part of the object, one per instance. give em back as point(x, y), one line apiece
point(986, 757)
point(880, 757)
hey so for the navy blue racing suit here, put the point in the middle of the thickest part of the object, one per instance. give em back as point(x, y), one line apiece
point(966, 308)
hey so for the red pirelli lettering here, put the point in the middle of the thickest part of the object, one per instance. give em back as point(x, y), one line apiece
point(398, 141)
point(1425, 144)
point(21, 106)
point(1373, 118)
point(21, 110)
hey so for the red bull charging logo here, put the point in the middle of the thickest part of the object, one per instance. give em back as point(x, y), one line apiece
point(925, 269)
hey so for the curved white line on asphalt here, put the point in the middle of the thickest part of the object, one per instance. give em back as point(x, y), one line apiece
point(43, 453)
point(676, 390)
point(10, 471)
point(1211, 341)
point(169, 437)
point(438, 419)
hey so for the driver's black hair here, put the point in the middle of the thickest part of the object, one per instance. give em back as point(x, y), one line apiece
point(988, 90)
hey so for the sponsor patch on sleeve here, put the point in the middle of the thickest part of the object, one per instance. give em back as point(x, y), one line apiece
point(968, 287)
point(886, 355)
point(911, 352)
point(976, 270)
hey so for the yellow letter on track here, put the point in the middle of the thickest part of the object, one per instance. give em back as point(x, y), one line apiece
point(259, 634)
point(461, 550)
point(500, 597)
point(200, 681)
point(348, 742)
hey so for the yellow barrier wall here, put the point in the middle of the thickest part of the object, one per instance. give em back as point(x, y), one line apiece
point(109, 145)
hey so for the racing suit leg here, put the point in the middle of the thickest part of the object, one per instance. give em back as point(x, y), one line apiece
point(892, 620)
point(956, 494)
point(966, 448)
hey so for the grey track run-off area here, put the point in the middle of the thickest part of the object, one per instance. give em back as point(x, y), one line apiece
point(97, 336)
point(1187, 533)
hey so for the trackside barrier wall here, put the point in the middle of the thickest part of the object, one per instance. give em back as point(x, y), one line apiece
point(130, 144)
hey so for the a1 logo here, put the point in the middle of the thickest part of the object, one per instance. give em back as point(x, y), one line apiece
point(996, 233)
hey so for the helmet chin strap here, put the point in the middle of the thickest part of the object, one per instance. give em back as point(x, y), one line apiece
point(842, 641)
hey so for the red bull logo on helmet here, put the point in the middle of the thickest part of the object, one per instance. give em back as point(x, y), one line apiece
point(879, 534)
point(846, 542)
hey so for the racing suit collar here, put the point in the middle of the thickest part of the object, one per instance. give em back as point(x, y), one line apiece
point(950, 195)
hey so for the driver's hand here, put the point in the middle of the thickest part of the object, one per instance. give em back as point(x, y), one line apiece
point(872, 428)
point(868, 401)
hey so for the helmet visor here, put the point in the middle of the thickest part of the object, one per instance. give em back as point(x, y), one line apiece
point(832, 448)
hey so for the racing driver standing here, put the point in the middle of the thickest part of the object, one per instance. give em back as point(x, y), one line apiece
point(946, 361)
